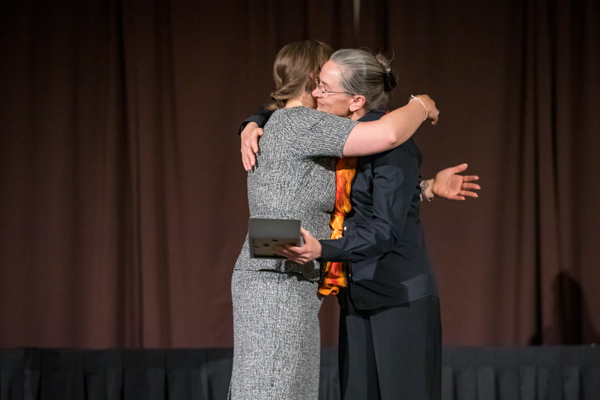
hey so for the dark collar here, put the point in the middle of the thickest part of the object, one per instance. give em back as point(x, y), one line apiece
point(372, 115)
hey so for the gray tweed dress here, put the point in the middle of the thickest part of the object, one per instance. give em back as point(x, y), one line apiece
point(275, 304)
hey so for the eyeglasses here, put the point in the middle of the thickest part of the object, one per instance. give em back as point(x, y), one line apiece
point(326, 93)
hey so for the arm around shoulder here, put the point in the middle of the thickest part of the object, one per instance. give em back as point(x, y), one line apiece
point(391, 130)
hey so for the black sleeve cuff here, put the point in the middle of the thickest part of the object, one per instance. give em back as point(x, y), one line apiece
point(330, 252)
point(261, 117)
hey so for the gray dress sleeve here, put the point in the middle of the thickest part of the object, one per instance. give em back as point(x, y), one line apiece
point(325, 134)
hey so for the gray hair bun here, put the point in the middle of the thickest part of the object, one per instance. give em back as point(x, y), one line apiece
point(389, 78)
point(389, 81)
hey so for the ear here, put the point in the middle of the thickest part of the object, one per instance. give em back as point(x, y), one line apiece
point(358, 101)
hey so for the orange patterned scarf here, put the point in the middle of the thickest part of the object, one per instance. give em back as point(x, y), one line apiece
point(335, 274)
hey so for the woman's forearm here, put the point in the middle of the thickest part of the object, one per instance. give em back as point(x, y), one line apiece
point(391, 130)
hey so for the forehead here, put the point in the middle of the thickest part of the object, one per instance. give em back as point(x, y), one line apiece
point(330, 74)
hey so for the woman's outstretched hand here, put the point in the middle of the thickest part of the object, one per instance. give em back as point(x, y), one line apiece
point(450, 185)
point(310, 250)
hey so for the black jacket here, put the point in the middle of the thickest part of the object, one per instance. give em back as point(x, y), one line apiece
point(383, 236)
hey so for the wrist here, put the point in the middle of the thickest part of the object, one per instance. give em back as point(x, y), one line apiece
point(427, 190)
point(418, 99)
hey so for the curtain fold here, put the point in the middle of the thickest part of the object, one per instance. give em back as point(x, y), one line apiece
point(122, 195)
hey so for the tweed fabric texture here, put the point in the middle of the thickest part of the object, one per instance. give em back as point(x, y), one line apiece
point(275, 304)
point(277, 341)
point(295, 178)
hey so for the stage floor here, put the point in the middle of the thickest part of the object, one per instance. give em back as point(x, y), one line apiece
point(469, 373)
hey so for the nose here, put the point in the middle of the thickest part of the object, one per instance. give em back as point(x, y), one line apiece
point(317, 92)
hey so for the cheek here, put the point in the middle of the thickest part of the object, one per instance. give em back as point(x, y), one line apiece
point(337, 108)
point(322, 104)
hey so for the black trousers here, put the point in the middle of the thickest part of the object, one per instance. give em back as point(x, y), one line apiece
point(393, 353)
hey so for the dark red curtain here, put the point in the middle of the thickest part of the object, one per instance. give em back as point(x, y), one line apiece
point(123, 198)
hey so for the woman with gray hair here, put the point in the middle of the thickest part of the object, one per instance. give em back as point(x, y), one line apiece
point(390, 329)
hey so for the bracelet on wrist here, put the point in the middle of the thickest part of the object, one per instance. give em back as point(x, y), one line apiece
point(413, 98)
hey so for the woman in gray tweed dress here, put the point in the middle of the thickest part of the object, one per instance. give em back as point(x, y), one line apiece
point(275, 303)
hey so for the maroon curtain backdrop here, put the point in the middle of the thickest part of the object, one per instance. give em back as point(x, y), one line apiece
point(122, 194)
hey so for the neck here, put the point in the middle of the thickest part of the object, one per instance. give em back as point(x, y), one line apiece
point(358, 114)
point(303, 100)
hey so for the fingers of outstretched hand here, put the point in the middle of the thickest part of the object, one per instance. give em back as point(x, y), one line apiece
point(472, 186)
point(468, 193)
point(459, 168)
point(470, 178)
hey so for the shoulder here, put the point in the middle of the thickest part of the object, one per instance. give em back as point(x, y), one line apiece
point(318, 121)
point(298, 115)
point(311, 114)
point(299, 111)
